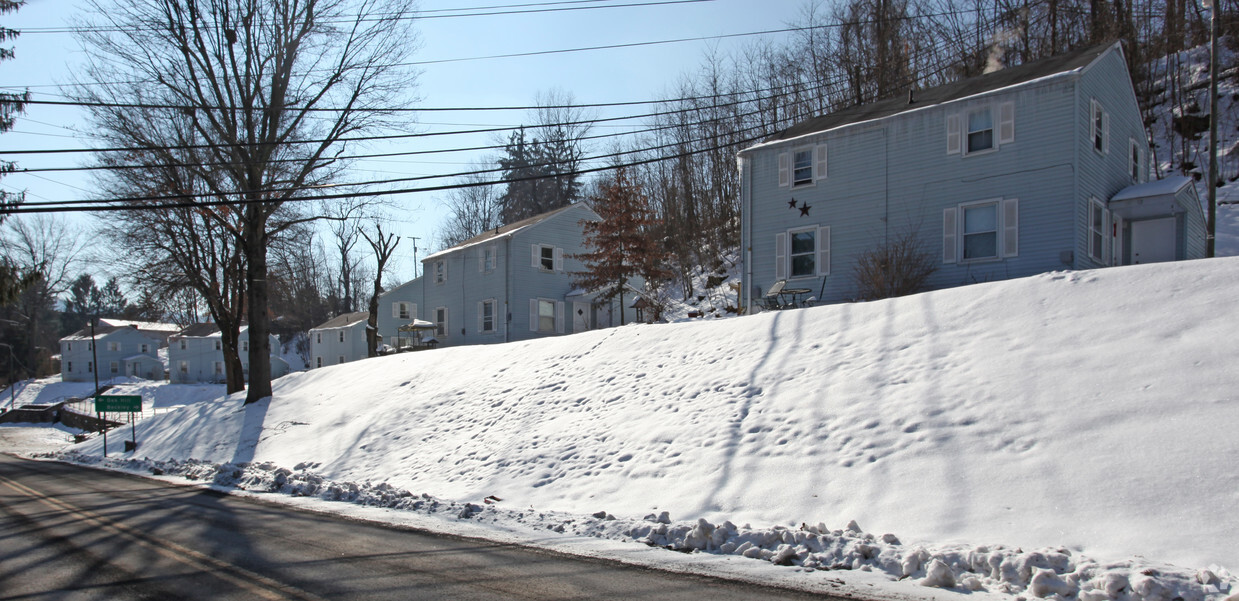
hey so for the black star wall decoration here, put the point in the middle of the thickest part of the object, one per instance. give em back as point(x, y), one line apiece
point(804, 209)
point(791, 204)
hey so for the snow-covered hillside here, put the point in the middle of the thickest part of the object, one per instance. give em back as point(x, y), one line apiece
point(1035, 436)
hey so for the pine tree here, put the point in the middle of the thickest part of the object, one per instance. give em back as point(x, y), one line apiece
point(622, 248)
point(12, 279)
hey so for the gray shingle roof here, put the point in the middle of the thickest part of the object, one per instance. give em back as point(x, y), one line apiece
point(964, 88)
point(346, 319)
point(198, 330)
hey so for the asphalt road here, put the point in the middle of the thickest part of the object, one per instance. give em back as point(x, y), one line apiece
point(68, 532)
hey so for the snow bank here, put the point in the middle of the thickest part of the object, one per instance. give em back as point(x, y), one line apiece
point(1033, 437)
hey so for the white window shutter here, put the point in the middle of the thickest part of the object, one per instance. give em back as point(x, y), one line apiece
point(1010, 227)
point(819, 167)
point(780, 256)
point(1006, 123)
point(536, 256)
point(952, 134)
point(823, 250)
point(395, 310)
point(413, 311)
point(559, 259)
point(785, 170)
point(1093, 251)
point(482, 260)
point(479, 330)
point(533, 315)
point(949, 245)
point(559, 317)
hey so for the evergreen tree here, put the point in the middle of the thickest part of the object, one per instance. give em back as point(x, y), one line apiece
point(12, 279)
point(622, 248)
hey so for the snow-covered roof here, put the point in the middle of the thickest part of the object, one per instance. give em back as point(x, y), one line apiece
point(503, 231)
point(1163, 187)
point(100, 331)
point(343, 321)
point(1024, 74)
point(149, 326)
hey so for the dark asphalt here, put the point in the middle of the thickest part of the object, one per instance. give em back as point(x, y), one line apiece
point(68, 532)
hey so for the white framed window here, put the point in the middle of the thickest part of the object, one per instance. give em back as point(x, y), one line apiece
point(440, 271)
point(183, 367)
point(219, 345)
point(486, 258)
point(1098, 215)
point(69, 367)
point(341, 335)
point(402, 310)
point(340, 361)
point(486, 316)
point(245, 346)
point(219, 368)
point(69, 346)
point(114, 367)
point(441, 322)
point(548, 258)
point(802, 166)
point(802, 253)
point(90, 367)
point(183, 344)
point(980, 131)
point(1137, 162)
point(1100, 123)
point(146, 348)
point(318, 337)
point(90, 346)
point(318, 362)
point(985, 230)
point(114, 346)
point(546, 316)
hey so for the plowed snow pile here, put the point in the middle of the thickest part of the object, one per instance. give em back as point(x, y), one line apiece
point(1039, 437)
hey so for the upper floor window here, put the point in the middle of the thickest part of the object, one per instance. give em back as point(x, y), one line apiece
point(980, 130)
point(548, 258)
point(401, 310)
point(486, 260)
point(1137, 162)
point(341, 335)
point(183, 344)
point(114, 346)
point(146, 348)
point(318, 337)
point(802, 166)
point(218, 345)
point(1100, 121)
point(69, 346)
point(245, 346)
point(440, 271)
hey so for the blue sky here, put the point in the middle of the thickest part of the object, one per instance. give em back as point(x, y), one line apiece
point(626, 74)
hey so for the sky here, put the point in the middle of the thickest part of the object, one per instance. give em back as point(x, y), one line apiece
point(1069, 432)
point(45, 60)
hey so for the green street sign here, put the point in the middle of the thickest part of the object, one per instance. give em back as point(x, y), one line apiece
point(118, 403)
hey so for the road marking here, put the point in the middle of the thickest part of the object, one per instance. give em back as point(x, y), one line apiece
point(253, 582)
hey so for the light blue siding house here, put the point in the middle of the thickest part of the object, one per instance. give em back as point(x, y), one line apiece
point(119, 350)
point(340, 339)
point(196, 354)
point(1025, 170)
point(511, 283)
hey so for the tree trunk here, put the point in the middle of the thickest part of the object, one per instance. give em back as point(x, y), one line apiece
point(256, 279)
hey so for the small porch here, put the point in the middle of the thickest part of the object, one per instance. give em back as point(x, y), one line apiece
point(1156, 222)
point(417, 335)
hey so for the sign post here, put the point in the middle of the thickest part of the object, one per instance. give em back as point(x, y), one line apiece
point(119, 403)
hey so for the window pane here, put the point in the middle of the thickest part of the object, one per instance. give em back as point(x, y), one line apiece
point(546, 316)
point(802, 242)
point(548, 258)
point(980, 131)
point(980, 246)
point(980, 120)
point(981, 219)
point(802, 265)
point(803, 168)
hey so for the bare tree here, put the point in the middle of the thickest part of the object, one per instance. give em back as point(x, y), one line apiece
point(273, 90)
point(471, 209)
point(384, 246)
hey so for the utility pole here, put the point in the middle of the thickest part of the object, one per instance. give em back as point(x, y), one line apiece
point(415, 263)
point(1211, 232)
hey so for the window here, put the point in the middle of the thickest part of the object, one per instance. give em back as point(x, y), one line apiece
point(183, 367)
point(486, 316)
point(980, 130)
point(802, 253)
point(802, 167)
point(114, 346)
point(981, 231)
point(400, 310)
point(219, 368)
point(245, 346)
point(486, 260)
point(219, 345)
point(182, 344)
point(318, 362)
point(546, 316)
point(1136, 161)
point(69, 367)
point(90, 346)
point(318, 337)
point(146, 348)
point(441, 322)
point(114, 367)
point(70, 346)
point(1101, 126)
point(1096, 229)
point(545, 257)
point(340, 360)
point(90, 367)
point(341, 335)
point(440, 271)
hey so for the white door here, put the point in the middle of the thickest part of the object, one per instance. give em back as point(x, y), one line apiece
point(1116, 241)
point(580, 317)
point(1152, 241)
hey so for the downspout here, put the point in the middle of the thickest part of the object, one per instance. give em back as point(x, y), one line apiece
point(1075, 172)
point(507, 291)
point(746, 233)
